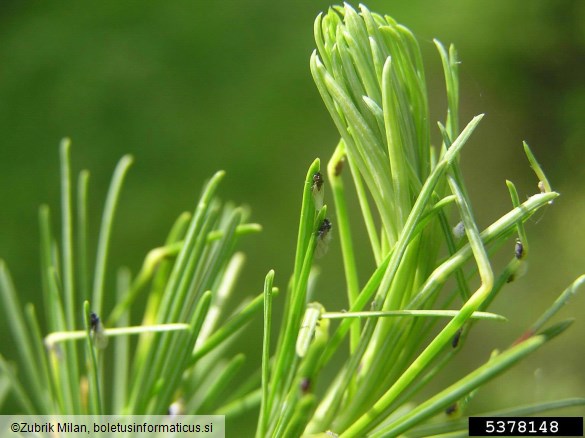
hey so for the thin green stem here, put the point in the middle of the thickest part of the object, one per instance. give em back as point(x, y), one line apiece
point(67, 234)
point(263, 417)
point(536, 167)
point(563, 299)
point(82, 234)
point(120, 381)
point(413, 313)
point(366, 213)
point(56, 337)
point(347, 249)
point(106, 231)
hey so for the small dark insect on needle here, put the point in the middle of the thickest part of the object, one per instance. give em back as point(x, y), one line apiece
point(451, 409)
point(323, 238)
point(97, 329)
point(317, 190)
point(324, 228)
point(318, 180)
point(518, 249)
point(456, 337)
point(94, 321)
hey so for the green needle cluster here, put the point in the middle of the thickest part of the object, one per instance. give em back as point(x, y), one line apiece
point(184, 326)
point(369, 72)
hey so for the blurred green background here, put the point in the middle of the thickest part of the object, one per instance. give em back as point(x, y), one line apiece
point(190, 87)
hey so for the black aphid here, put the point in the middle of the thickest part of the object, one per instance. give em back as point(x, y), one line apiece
point(317, 190)
point(324, 229)
point(318, 180)
point(94, 321)
point(518, 249)
point(323, 238)
point(451, 409)
point(456, 337)
point(97, 329)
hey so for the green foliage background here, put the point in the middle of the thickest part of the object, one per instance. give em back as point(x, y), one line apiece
point(189, 87)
